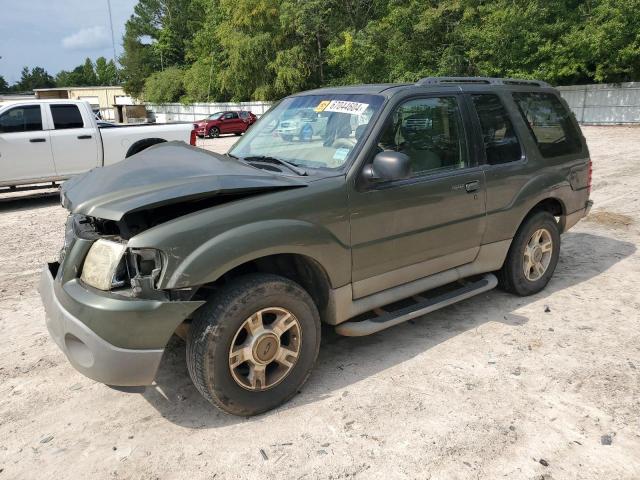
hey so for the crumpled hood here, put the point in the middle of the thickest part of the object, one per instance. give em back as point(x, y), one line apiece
point(163, 174)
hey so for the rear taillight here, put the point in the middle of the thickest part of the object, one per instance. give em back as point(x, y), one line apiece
point(590, 177)
point(192, 138)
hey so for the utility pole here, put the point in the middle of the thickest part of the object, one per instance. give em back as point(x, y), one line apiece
point(113, 42)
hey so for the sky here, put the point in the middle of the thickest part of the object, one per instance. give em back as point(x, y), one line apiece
point(58, 34)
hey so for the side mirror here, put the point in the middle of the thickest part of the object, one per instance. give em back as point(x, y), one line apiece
point(388, 165)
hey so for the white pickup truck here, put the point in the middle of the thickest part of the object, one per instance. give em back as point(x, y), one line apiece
point(51, 140)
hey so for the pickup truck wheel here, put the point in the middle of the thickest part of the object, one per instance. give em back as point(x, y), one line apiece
point(253, 344)
point(214, 132)
point(533, 255)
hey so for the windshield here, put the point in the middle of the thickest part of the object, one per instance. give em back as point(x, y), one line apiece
point(315, 131)
point(215, 116)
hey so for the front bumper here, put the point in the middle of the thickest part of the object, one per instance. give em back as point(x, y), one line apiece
point(117, 341)
point(87, 352)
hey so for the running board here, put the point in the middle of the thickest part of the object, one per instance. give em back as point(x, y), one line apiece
point(388, 318)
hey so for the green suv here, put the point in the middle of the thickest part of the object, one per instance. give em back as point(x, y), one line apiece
point(410, 198)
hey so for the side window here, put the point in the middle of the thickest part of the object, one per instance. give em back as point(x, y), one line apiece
point(500, 141)
point(21, 119)
point(66, 116)
point(231, 115)
point(430, 132)
point(550, 123)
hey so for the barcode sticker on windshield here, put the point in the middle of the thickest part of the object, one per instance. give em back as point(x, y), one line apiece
point(342, 106)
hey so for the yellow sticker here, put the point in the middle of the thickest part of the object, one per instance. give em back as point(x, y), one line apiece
point(322, 105)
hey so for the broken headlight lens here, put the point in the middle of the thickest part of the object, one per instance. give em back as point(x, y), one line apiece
point(101, 264)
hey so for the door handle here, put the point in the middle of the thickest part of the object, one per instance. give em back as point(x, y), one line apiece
point(84, 137)
point(37, 140)
point(472, 186)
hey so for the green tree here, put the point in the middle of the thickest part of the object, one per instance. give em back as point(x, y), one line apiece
point(156, 37)
point(602, 45)
point(37, 77)
point(265, 49)
point(166, 86)
point(81, 76)
point(89, 77)
point(138, 63)
point(106, 72)
point(4, 86)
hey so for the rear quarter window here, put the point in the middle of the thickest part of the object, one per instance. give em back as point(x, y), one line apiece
point(550, 123)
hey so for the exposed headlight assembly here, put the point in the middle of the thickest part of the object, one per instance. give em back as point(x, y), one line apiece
point(101, 263)
point(110, 265)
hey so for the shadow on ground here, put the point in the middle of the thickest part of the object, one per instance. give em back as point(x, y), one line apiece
point(346, 360)
point(11, 202)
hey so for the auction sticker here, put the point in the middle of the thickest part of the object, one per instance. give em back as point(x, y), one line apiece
point(322, 105)
point(342, 106)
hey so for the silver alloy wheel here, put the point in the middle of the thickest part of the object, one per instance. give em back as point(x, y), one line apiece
point(537, 254)
point(265, 348)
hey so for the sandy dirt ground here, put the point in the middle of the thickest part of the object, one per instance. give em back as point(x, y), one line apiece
point(545, 387)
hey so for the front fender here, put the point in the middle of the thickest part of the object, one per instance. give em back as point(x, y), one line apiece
point(242, 244)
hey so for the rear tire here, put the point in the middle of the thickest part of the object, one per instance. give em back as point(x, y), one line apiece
point(225, 331)
point(533, 255)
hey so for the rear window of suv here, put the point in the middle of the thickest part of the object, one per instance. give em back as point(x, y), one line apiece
point(550, 123)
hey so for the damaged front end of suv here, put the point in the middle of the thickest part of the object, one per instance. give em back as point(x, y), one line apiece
point(107, 305)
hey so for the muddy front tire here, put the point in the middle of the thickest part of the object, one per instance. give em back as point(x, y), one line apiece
point(253, 344)
point(533, 255)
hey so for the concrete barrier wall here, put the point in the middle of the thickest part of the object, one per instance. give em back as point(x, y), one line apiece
point(606, 104)
point(176, 112)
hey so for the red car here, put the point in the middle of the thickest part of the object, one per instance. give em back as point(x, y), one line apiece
point(248, 117)
point(224, 122)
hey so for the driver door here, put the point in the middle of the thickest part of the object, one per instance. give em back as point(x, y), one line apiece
point(25, 150)
point(433, 221)
point(231, 123)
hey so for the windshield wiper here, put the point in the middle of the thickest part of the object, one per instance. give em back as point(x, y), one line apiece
point(266, 159)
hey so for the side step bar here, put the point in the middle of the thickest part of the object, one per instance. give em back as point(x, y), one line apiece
point(423, 305)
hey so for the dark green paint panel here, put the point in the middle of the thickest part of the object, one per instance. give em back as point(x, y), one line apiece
point(124, 323)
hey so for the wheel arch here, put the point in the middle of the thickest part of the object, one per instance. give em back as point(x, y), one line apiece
point(554, 205)
point(140, 145)
point(300, 268)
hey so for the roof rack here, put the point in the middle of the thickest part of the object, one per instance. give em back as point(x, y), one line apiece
point(481, 81)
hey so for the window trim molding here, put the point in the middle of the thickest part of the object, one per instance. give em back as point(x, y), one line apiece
point(534, 138)
point(463, 111)
point(483, 151)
